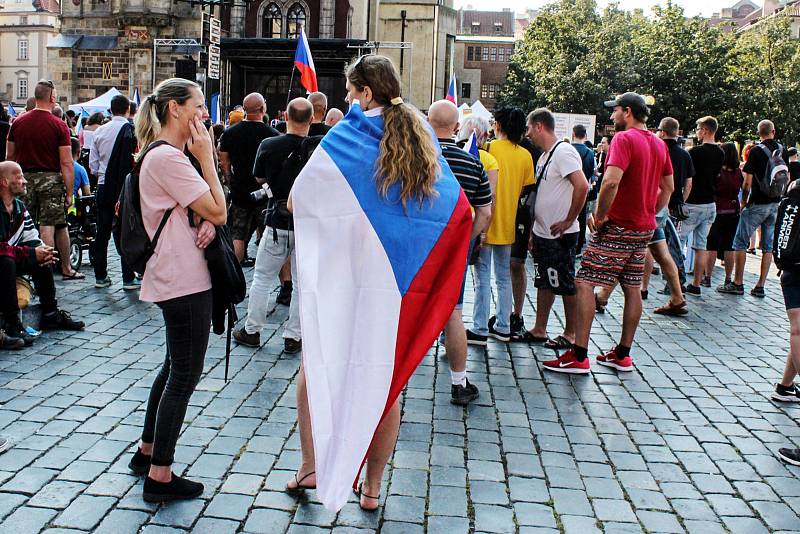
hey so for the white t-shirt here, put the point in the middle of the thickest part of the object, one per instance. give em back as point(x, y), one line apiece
point(555, 190)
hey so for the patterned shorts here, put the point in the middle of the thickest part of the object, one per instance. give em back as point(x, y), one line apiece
point(614, 254)
point(45, 198)
point(242, 221)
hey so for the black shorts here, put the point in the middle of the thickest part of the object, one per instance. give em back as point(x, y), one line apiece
point(555, 263)
point(519, 250)
point(720, 237)
point(790, 284)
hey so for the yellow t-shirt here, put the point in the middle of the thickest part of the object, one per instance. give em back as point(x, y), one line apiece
point(488, 161)
point(515, 172)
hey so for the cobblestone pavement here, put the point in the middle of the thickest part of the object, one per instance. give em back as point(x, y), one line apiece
point(683, 444)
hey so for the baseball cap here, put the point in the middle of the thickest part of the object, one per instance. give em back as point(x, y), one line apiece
point(631, 100)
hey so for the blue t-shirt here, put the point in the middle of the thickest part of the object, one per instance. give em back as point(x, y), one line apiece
point(81, 177)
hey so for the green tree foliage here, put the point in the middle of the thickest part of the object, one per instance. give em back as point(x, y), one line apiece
point(574, 57)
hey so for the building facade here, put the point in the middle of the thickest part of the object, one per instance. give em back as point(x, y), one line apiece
point(484, 46)
point(25, 29)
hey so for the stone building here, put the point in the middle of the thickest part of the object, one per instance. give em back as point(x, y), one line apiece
point(484, 45)
point(733, 17)
point(25, 28)
point(109, 43)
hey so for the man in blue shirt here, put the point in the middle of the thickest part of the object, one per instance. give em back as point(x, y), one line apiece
point(81, 176)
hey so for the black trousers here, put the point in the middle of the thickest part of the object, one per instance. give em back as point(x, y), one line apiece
point(42, 280)
point(105, 224)
point(188, 321)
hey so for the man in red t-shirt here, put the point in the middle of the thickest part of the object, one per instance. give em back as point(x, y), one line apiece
point(40, 143)
point(637, 184)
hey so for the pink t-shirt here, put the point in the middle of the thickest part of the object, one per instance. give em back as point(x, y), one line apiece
point(177, 267)
point(644, 159)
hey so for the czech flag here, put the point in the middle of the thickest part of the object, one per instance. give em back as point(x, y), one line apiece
point(305, 63)
point(451, 90)
point(215, 110)
point(84, 115)
point(472, 146)
point(11, 111)
point(377, 282)
point(137, 99)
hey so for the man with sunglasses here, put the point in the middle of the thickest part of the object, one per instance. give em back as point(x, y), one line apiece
point(40, 143)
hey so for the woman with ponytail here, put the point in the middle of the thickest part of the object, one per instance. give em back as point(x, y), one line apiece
point(177, 279)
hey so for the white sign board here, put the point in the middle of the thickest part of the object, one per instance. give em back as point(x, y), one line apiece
point(213, 62)
point(215, 31)
point(565, 122)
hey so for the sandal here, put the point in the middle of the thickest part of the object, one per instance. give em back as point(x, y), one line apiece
point(559, 343)
point(599, 305)
point(528, 337)
point(673, 310)
point(360, 494)
point(299, 484)
point(75, 275)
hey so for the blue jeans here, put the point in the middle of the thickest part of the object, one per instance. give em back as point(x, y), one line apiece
point(501, 254)
point(698, 224)
point(753, 216)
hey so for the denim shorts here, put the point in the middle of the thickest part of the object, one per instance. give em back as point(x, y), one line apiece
point(753, 216)
point(698, 224)
point(658, 233)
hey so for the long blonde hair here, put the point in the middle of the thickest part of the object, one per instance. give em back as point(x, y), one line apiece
point(153, 112)
point(407, 153)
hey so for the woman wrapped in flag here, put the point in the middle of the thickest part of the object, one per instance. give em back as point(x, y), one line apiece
point(381, 230)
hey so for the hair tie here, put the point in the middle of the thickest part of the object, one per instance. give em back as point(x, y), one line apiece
point(151, 99)
point(396, 101)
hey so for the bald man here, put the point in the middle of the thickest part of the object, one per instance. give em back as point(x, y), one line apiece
point(319, 127)
point(278, 162)
point(24, 253)
point(334, 115)
point(237, 154)
point(443, 118)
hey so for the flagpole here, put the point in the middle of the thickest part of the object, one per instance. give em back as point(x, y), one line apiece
point(289, 93)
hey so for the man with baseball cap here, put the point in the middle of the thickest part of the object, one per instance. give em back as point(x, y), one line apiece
point(637, 184)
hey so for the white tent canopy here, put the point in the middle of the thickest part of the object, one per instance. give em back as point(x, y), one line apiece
point(100, 104)
point(481, 111)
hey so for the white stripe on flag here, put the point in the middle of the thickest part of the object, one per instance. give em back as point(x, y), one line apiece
point(349, 312)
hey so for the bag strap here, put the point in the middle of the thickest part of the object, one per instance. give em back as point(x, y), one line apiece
point(161, 225)
point(151, 146)
point(547, 162)
point(137, 167)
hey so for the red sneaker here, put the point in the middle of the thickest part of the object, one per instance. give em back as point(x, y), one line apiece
point(567, 363)
point(610, 359)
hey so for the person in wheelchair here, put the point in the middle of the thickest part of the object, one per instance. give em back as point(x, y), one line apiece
point(22, 252)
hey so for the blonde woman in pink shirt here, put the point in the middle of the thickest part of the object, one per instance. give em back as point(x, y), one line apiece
point(177, 278)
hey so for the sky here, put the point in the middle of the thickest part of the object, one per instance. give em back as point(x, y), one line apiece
point(691, 7)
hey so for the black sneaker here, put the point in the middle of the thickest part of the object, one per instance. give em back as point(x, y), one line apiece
point(292, 346)
point(176, 489)
point(16, 330)
point(463, 395)
point(285, 294)
point(60, 320)
point(645, 294)
point(758, 291)
point(706, 281)
point(656, 271)
point(784, 394)
point(250, 340)
point(505, 338)
point(10, 342)
point(731, 288)
point(517, 326)
point(140, 463)
point(475, 339)
point(790, 456)
point(692, 289)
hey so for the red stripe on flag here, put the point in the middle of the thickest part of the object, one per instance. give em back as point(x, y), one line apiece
point(308, 78)
point(429, 301)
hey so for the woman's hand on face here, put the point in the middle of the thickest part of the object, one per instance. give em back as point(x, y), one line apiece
point(205, 234)
point(200, 143)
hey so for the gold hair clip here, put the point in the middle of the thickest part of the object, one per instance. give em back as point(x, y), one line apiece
point(396, 101)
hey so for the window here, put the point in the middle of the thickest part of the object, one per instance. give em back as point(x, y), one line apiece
point(484, 90)
point(492, 90)
point(476, 28)
point(22, 88)
point(501, 55)
point(22, 49)
point(470, 53)
point(295, 21)
point(271, 22)
point(485, 53)
point(509, 51)
point(466, 90)
point(23, 21)
point(494, 54)
point(498, 27)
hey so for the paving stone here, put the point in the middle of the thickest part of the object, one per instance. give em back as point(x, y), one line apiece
point(447, 525)
point(490, 518)
point(28, 519)
point(776, 515)
point(402, 508)
point(449, 501)
point(265, 521)
point(85, 512)
point(181, 514)
point(121, 522)
point(314, 514)
point(29, 480)
point(209, 525)
point(229, 506)
point(244, 484)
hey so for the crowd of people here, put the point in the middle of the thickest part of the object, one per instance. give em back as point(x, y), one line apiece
point(591, 218)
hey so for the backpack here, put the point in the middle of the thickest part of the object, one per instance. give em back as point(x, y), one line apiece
point(277, 214)
point(776, 174)
point(786, 243)
point(135, 246)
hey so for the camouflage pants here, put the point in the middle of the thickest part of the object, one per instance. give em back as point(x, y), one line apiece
point(45, 198)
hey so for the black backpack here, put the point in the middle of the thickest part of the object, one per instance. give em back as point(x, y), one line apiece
point(776, 174)
point(786, 243)
point(135, 246)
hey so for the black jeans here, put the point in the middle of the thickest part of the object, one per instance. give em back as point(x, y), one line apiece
point(42, 280)
point(188, 321)
point(105, 224)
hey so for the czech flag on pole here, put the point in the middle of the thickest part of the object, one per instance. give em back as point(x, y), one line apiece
point(11, 111)
point(451, 90)
point(377, 283)
point(305, 63)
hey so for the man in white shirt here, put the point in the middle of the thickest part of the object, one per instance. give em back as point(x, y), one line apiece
point(110, 160)
point(561, 194)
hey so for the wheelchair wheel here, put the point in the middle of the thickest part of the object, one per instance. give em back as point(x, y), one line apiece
point(75, 255)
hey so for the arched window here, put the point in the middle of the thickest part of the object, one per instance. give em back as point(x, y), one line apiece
point(271, 22)
point(295, 20)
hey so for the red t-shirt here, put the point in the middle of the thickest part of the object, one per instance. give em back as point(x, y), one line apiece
point(644, 159)
point(37, 136)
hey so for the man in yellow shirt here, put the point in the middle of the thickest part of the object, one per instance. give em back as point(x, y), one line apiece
point(516, 172)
